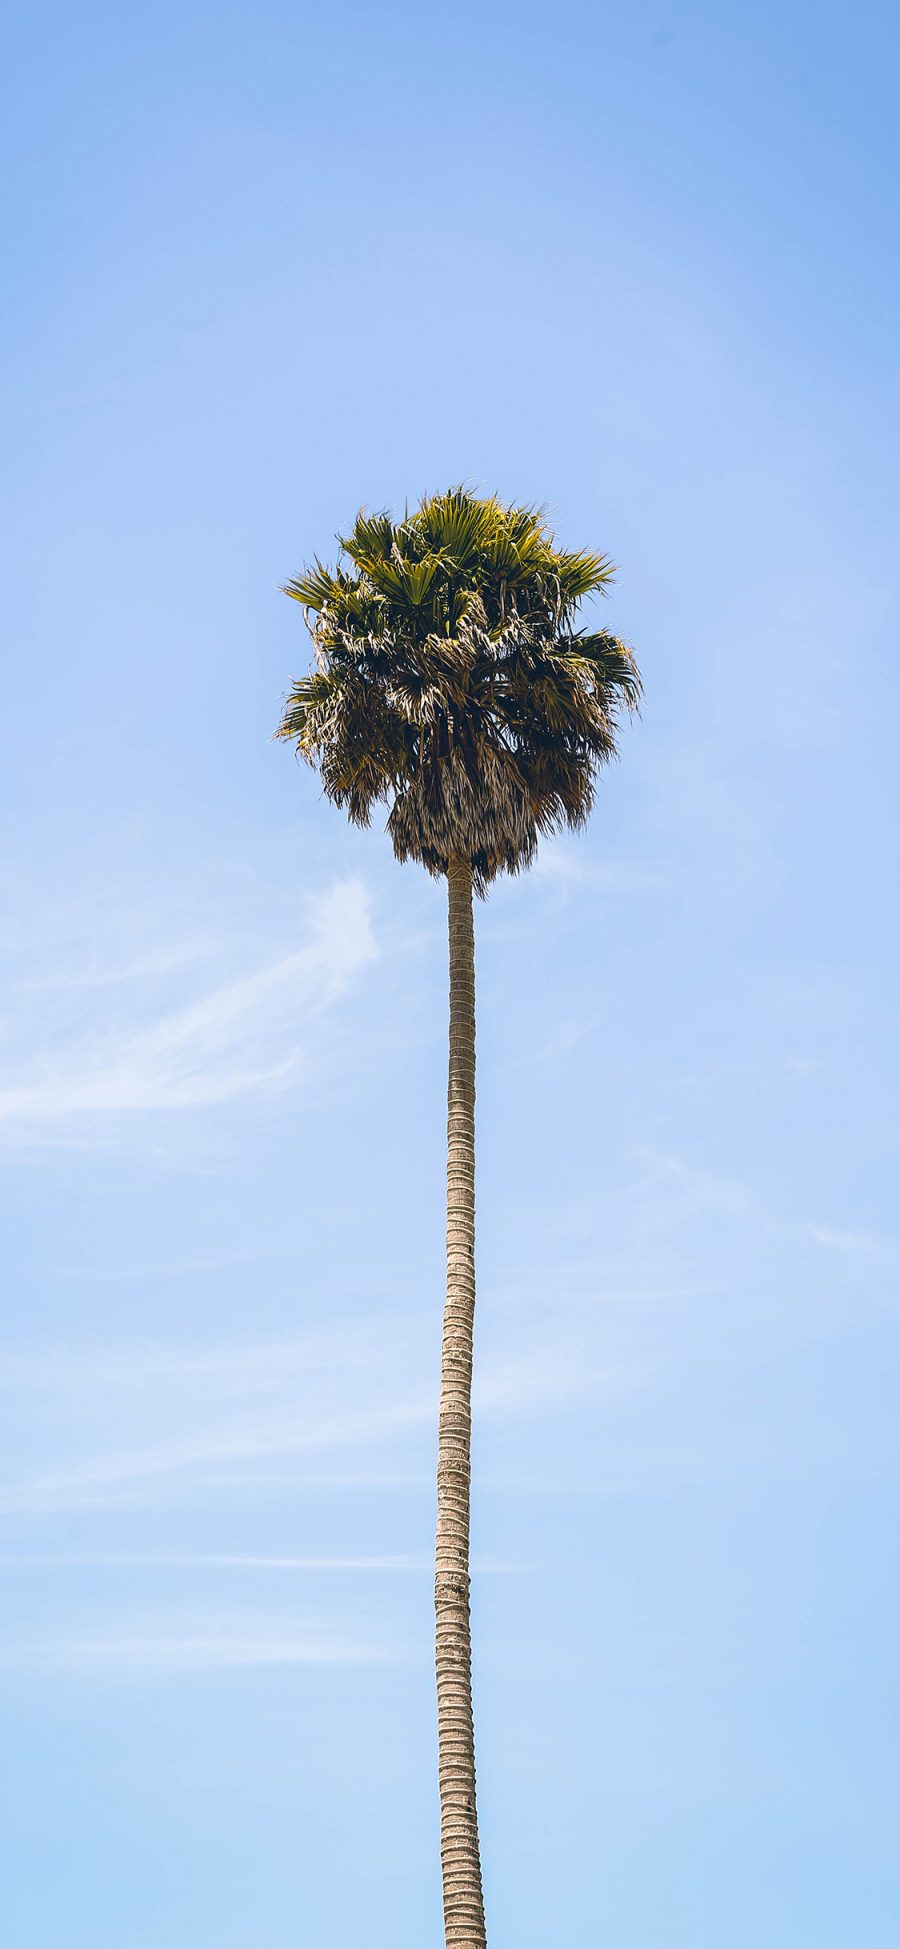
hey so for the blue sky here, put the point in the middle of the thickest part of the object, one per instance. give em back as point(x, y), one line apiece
point(267, 264)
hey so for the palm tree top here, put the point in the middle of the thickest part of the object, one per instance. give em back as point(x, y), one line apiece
point(453, 683)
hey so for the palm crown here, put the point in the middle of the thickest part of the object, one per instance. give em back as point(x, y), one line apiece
point(453, 684)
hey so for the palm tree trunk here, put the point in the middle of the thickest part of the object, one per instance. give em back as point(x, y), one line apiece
point(460, 1863)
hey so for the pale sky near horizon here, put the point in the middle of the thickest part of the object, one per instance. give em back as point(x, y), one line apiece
point(266, 264)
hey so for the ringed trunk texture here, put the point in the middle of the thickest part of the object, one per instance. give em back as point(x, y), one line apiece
point(460, 1863)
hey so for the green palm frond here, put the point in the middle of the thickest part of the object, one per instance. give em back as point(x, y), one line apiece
point(310, 694)
point(585, 574)
point(316, 587)
point(372, 538)
point(506, 556)
point(418, 577)
point(612, 665)
point(452, 525)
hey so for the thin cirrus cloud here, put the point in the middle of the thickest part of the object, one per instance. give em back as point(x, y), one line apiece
point(242, 1036)
point(843, 1241)
point(206, 1560)
point(137, 1471)
point(694, 1186)
point(169, 1416)
point(239, 1642)
point(163, 1424)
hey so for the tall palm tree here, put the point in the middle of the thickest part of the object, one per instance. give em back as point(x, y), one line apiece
point(452, 683)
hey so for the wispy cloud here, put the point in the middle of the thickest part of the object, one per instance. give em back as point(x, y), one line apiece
point(168, 1421)
point(158, 1416)
point(553, 1048)
point(115, 1476)
point(204, 1560)
point(102, 971)
point(864, 1243)
point(237, 1037)
point(232, 1643)
point(122, 1427)
point(700, 1188)
point(566, 864)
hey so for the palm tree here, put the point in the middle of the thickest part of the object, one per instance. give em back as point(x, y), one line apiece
point(452, 683)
